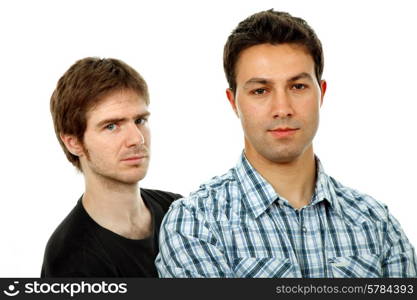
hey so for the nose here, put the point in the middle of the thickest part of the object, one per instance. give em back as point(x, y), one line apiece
point(281, 105)
point(134, 136)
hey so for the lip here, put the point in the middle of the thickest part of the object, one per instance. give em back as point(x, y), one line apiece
point(283, 132)
point(133, 159)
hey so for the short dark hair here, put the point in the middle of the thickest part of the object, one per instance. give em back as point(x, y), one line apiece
point(270, 27)
point(82, 87)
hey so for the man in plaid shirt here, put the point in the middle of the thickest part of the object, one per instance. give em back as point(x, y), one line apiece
point(277, 213)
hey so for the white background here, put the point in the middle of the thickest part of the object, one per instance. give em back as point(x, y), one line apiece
point(367, 137)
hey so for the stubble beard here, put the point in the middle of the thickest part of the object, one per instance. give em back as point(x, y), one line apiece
point(284, 151)
point(281, 154)
point(115, 180)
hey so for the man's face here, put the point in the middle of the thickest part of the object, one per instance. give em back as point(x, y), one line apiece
point(277, 99)
point(117, 138)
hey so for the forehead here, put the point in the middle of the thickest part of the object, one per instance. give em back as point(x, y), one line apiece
point(281, 61)
point(118, 104)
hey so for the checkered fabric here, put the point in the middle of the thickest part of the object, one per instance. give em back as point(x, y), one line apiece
point(236, 225)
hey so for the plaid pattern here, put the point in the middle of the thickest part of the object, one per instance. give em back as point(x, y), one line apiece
point(237, 226)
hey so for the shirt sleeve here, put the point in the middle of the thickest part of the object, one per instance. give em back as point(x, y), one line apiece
point(188, 247)
point(399, 255)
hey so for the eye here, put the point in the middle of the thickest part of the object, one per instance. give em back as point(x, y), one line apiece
point(260, 91)
point(141, 121)
point(111, 127)
point(298, 86)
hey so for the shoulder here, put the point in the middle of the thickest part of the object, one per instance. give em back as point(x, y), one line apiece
point(161, 198)
point(354, 202)
point(73, 230)
point(73, 245)
point(211, 201)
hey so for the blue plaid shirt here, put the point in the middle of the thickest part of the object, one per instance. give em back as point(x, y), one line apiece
point(237, 226)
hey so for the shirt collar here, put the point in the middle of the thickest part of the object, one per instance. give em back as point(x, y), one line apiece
point(258, 194)
point(325, 188)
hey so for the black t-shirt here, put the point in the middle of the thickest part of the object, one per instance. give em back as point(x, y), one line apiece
point(80, 247)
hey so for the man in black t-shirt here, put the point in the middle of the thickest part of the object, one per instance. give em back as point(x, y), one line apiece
point(100, 114)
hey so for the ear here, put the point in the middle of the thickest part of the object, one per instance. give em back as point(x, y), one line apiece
point(323, 87)
point(231, 97)
point(73, 144)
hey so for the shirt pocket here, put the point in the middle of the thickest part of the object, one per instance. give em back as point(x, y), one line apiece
point(356, 266)
point(262, 267)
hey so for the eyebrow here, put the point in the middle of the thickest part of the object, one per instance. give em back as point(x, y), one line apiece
point(260, 80)
point(118, 120)
point(256, 80)
point(300, 76)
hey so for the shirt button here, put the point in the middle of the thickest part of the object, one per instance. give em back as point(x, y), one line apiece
point(304, 229)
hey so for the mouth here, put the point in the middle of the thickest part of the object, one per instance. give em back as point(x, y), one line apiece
point(283, 132)
point(134, 159)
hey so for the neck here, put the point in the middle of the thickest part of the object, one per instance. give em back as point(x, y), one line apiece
point(116, 206)
point(294, 181)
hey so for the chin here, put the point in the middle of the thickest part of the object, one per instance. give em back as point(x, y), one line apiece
point(125, 179)
point(133, 175)
point(133, 179)
point(283, 157)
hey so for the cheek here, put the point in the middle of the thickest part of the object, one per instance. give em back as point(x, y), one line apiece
point(102, 147)
point(309, 115)
point(251, 115)
point(146, 135)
